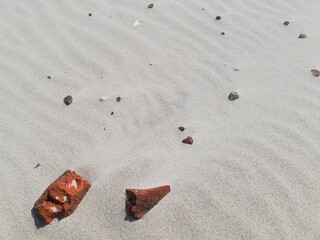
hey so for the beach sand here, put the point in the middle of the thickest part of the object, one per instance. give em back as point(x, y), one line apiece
point(253, 171)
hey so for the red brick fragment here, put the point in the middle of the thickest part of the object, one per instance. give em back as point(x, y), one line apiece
point(62, 197)
point(188, 140)
point(140, 201)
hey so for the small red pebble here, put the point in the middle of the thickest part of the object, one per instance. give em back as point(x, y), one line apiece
point(62, 197)
point(188, 140)
point(140, 201)
point(68, 100)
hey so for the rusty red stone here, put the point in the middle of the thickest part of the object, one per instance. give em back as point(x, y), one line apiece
point(62, 197)
point(140, 201)
point(188, 140)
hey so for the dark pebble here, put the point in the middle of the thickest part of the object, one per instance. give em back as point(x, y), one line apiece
point(150, 5)
point(218, 18)
point(315, 72)
point(233, 96)
point(49, 77)
point(222, 33)
point(181, 129)
point(302, 35)
point(68, 100)
point(286, 23)
point(111, 113)
point(202, 9)
point(90, 14)
point(38, 165)
point(118, 99)
point(188, 140)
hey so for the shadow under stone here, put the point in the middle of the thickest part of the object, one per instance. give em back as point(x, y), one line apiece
point(129, 217)
point(37, 221)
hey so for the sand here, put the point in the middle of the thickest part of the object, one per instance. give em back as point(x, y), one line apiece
point(253, 171)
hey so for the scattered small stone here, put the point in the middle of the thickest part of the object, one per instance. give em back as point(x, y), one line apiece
point(140, 201)
point(103, 98)
point(222, 33)
point(202, 9)
point(218, 18)
point(62, 197)
point(188, 140)
point(90, 14)
point(38, 165)
point(286, 23)
point(49, 77)
point(236, 69)
point(302, 35)
point(118, 99)
point(104, 128)
point(150, 64)
point(111, 113)
point(233, 96)
point(150, 5)
point(315, 72)
point(181, 129)
point(68, 100)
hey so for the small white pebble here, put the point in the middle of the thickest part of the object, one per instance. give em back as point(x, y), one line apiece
point(136, 23)
point(103, 98)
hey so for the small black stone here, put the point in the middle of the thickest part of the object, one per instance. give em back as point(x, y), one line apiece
point(222, 33)
point(181, 129)
point(111, 113)
point(90, 14)
point(286, 23)
point(118, 99)
point(218, 18)
point(150, 5)
point(233, 96)
point(202, 9)
point(49, 77)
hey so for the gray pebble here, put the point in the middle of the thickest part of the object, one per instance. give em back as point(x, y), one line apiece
point(181, 129)
point(286, 23)
point(302, 35)
point(233, 96)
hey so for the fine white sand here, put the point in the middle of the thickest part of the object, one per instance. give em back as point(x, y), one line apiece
point(253, 171)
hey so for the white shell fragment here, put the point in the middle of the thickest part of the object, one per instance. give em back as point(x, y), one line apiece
point(136, 23)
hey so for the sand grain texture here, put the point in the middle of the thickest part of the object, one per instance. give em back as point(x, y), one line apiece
point(254, 172)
